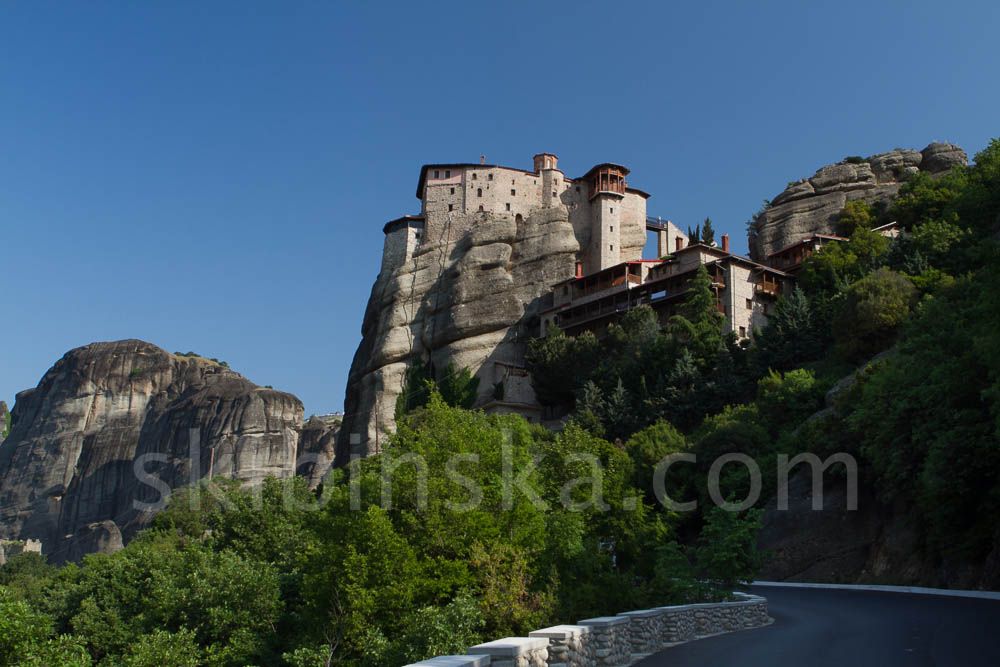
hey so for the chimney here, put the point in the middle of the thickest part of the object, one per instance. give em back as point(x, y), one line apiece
point(725, 243)
point(579, 269)
point(679, 243)
point(482, 159)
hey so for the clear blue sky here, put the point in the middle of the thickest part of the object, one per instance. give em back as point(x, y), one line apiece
point(214, 176)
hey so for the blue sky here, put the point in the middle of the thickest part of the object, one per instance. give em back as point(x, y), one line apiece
point(215, 176)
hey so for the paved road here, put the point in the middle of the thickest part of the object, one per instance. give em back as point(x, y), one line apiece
point(836, 628)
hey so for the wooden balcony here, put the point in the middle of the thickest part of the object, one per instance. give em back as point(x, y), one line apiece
point(768, 288)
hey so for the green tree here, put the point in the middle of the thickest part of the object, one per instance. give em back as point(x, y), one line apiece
point(785, 400)
point(707, 232)
point(160, 647)
point(649, 447)
point(856, 215)
point(559, 365)
point(837, 265)
point(458, 387)
point(22, 629)
point(727, 551)
point(698, 323)
point(872, 312)
point(790, 337)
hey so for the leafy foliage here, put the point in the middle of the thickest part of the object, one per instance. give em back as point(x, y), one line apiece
point(872, 311)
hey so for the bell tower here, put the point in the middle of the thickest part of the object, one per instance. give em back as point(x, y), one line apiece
point(606, 190)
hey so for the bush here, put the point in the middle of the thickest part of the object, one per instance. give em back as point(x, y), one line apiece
point(872, 312)
point(856, 215)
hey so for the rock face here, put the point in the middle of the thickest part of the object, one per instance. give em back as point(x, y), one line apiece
point(812, 205)
point(467, 300)
point(317, 448)
point(111, 425)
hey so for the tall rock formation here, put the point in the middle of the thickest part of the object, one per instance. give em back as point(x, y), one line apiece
point(317, 448)
point(465, 300)
point(111, 425)
point(812, 205)
point(464, 281)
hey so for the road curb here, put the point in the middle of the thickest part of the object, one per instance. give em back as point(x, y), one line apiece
point(915, 590)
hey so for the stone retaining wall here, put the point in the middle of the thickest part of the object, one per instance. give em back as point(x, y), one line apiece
point(569, 645)
point(610, 637)
point(613, 641)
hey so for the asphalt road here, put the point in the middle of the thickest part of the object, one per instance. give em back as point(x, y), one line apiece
point(836, 628)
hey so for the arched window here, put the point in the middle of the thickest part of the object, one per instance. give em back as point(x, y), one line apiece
point(480, 207)
point(479, 192)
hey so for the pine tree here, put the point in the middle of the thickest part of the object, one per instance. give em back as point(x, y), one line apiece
point(707, 233)
point(790, 337)
point(698, 323)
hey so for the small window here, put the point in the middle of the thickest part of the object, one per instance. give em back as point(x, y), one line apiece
point(513, 192)
point(479, 192)
point(489, 177)
point(451, 207)
point(437, 174)
point(554, 194)
point(743, 332)
point(453, 191)
point(612, 246)
point(447, 173)
point(578, 188)
point(612, 228)
point(612, 209)
point(475, 176)
point(508, 206)
point(480, 207)
point(749, 304)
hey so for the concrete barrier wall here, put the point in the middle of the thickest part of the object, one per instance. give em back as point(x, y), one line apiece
point(613, 641)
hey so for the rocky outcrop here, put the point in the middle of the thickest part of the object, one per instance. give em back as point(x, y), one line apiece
point(468, 299)
point(317, 448)
point(812, 205)
point(111, 426)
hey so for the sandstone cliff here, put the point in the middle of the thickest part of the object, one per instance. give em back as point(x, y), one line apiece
point(812, 205)
point(67, 469)
point(317, 448)
point(469, 298)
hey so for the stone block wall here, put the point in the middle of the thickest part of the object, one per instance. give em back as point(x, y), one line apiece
point(515, 652)
point(569, 645)
point(610, 637)
point(678, 624)
point(613, 641)
point(645, 631)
